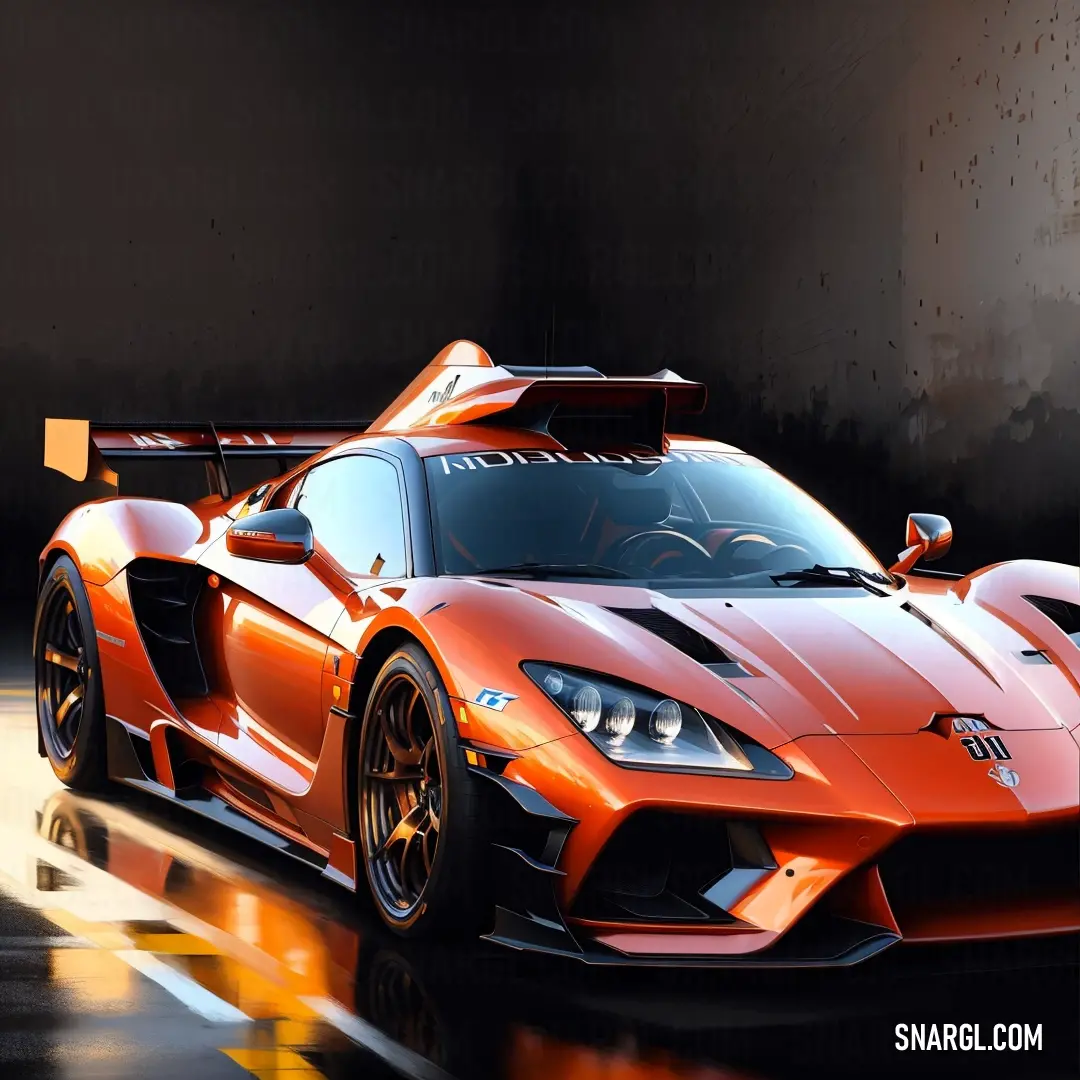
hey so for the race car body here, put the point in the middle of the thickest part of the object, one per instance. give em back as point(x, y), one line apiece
point(519, 660)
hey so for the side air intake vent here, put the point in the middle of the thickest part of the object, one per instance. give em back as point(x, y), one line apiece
point(1064, 613)
point(163, 598)
point(683, 637)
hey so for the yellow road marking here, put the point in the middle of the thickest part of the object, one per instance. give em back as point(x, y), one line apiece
point(101, 934)
point(294, 1022)
point(103, 968)
point(8, 691)
point(114, 948)
point(297, 1032)
point(283, 1022)
point(271, 1060)
point(175, 944)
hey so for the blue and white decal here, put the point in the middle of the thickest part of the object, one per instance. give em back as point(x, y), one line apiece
point(494, 699)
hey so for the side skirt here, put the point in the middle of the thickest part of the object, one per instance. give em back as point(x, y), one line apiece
point(130, 763)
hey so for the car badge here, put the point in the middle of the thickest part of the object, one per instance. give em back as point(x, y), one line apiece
point(1003, 775)
point(494, 699)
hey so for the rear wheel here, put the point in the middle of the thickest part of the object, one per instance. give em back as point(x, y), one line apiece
point(70, 706)
point(421, 829)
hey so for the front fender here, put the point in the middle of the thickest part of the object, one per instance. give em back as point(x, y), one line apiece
point(471, 652)
point(1001, 589)
point(479, 633)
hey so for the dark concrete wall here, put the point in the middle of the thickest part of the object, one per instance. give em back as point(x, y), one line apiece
point(221, 209)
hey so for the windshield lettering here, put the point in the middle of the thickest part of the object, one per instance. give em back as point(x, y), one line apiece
point(489, 459)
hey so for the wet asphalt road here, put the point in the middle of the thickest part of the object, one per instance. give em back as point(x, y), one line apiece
point(139, 941)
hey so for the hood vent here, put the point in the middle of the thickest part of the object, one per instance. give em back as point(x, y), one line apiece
point(1062, 612)
point(683, 637)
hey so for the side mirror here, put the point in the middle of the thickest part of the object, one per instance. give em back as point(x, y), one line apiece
point(929, 536)
point(275, 536)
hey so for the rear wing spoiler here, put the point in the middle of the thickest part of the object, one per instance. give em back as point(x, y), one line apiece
point(463, 385)
point(83, 449)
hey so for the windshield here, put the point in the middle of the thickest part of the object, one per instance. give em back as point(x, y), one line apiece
point(687, 518)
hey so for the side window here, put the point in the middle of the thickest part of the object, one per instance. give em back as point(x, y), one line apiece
point(354, 506)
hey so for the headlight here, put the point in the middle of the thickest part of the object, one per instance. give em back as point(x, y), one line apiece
point(638, 728)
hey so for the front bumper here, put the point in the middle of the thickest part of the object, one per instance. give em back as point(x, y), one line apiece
point(874, 841)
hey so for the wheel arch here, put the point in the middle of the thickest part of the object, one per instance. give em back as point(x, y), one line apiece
point(49, 558)
point(377, 650)
point(82, 763)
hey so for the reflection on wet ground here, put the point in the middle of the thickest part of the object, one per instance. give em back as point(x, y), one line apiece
point(137, 940)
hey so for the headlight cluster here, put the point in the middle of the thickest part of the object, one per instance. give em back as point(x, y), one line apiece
point(638, 728)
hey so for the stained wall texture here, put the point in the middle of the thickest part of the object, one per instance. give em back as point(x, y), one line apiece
point(855, 219)
point(959, 206)
point(991, 253)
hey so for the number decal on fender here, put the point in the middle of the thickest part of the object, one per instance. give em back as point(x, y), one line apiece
point(982, 749)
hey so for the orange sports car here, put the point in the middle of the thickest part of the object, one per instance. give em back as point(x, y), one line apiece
point(530, 665)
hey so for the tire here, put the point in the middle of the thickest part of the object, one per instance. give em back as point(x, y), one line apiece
point(67, 678)
point(392, 784)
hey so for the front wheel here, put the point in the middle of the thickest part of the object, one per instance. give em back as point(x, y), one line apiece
point(70, 705)
point(421, 826)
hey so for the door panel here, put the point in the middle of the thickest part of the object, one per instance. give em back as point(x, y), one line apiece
point(311, 597)
point(273, 626)
point(274, 664)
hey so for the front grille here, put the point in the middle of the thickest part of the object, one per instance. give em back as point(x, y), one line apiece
point(931, 871)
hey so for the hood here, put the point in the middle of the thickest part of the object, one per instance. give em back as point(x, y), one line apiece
point(843, 662)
